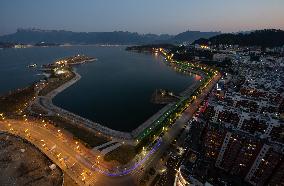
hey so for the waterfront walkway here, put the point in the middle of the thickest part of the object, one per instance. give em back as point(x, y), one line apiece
point(46, 103)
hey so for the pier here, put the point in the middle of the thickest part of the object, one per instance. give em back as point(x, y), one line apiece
point(161, 96)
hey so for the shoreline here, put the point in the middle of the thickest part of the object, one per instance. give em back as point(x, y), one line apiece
point(46, 102)
point(67, 45)
point(152, 147)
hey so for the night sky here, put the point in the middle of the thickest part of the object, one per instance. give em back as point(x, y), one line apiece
point(142, 16)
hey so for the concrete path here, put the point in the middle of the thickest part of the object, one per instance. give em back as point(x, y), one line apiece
point(111, 148)
point(103, 145)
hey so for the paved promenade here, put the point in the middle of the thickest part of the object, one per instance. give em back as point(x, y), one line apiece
point(46, 103)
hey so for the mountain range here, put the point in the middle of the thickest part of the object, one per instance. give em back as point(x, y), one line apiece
point(33, 36)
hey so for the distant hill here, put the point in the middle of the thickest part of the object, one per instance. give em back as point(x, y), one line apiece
point(54, 36)
point(264, 38)
point(190, 36)
point(32, 36)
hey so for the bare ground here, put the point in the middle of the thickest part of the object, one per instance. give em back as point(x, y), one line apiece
point(23, 164)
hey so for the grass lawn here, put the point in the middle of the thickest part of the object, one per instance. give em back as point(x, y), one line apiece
point(122, 154)
point(55, 82)
point(89, 138)
point(17, 100)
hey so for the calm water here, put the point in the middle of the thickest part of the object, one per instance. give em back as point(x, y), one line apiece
point(114, 91)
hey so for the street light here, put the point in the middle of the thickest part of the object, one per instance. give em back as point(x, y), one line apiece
point(2, 116)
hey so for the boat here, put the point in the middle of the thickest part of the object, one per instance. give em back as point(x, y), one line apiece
point(32, 65)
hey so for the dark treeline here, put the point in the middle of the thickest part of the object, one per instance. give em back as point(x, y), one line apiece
point(263, 38)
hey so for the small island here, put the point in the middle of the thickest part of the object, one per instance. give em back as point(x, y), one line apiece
point(72, 60)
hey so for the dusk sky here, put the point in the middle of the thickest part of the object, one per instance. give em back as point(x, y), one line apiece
point(143, 16)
